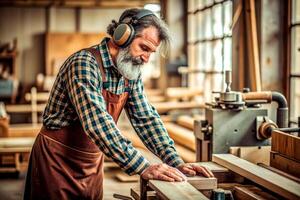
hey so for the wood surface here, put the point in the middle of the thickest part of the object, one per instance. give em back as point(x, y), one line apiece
point(55, 55)
point(252, 45)
point(186, 154)
point(186, 121)
point(251, 193)
point(286, 144)
point(254, 154)
point(24, 130)
point(163, 107)
point(175, 190)
point(266, 178)
point(182, 93)
point(203, 183)
point(181, 135)
point(281, 162)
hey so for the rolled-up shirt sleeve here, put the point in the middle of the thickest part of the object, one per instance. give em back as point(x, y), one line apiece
point(149, 126)
point(83, 82)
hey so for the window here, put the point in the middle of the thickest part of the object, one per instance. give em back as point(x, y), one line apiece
point(209, 44)
point(295, 61)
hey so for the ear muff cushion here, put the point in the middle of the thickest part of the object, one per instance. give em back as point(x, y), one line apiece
point(123, 35)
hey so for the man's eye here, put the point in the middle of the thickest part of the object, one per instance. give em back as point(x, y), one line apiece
point(144, 48)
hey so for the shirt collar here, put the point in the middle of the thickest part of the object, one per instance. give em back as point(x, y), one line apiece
point(105, 55)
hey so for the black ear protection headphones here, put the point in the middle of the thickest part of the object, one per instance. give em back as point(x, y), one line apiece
point(124, 33)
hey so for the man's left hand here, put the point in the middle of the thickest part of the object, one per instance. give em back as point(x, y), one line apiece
point(192, 170)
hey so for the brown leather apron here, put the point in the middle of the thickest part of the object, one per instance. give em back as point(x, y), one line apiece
point(65, 163)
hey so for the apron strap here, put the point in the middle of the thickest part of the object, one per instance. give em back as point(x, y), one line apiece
point(97, 56)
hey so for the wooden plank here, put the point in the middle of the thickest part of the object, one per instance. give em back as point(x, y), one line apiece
point(121, 176)
point(182, 136)
point(184, 93)
point(285, 164)
point(135, 193)
point(254, 154)
point(286, 144)
point(186, 154)
point(24, 130)
point(214, 167)
point(25, 142)
point(72, 42)
point(251, 193)
point(24, 108)
point(163, 107)
point(266, 178)
point(252, 46)
point(203, 183)
point(175, 190)
point(280, 172)
point(186, 121)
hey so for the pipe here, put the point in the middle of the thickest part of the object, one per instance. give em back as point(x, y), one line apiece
point(282, 110)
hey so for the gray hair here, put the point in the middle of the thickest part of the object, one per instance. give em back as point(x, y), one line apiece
point(145, 22)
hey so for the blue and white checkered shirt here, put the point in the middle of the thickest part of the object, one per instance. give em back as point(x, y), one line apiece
point(76, 95)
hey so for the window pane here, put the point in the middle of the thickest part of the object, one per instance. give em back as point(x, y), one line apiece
point(227, 17)
point(201, 24)
point(295, 98)
point(217, 21)
point(207, 27)
point(191, 5)
point(191, 56)
point(208, 56)
point(209, 2)
point(227, 54)
point(296, 11)
point(295, 68)
point(201, 56)
point(191, 28)
point(217, 82)
point(200, 3)
point(218, 56)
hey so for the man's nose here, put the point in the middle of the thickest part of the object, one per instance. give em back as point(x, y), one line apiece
point(145, 57)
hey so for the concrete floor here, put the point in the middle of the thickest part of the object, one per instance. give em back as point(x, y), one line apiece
point(11, 187)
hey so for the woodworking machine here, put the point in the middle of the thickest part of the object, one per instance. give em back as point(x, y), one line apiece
point(238, 119)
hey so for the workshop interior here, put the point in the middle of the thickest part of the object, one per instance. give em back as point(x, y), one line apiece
point(228, 92)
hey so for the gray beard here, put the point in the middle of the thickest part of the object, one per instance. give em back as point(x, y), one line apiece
point(128, 66)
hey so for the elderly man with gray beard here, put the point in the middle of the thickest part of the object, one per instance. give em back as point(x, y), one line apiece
point(79, 121)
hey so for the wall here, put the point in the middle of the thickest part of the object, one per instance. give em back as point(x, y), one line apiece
point(28, 25)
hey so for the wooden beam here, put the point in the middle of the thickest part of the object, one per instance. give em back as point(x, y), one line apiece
point(285, 164)
point(182, 136)
point(286, 144)
point(254, 154)
point(175, 190)
point(251, 193)
point(266, 178)
point(252, 46)
point(186, 154)
point(163, 107)
point(186, 121)
point(203, 183)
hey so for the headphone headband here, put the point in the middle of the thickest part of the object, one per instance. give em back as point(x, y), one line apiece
point(124, 32)
point(142, 13)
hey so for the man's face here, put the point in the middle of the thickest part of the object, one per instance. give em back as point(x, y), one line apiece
point(132, 58)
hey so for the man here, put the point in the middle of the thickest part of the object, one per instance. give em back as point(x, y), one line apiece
point(79, 121)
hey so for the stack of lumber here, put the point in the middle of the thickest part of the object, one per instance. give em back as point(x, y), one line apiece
point(182, 132)
point(285, 153)
point(280, 185)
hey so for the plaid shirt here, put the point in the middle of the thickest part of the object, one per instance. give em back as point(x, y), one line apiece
point(76, 95)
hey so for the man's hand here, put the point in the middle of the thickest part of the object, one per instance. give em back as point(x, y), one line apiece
point(192, 170)
point(163, 172)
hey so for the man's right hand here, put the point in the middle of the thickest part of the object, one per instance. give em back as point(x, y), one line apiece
point(163, 172)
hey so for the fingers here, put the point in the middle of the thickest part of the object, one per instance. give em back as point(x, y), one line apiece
point(203, 170)
point(188, 170)
point(163, 172)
